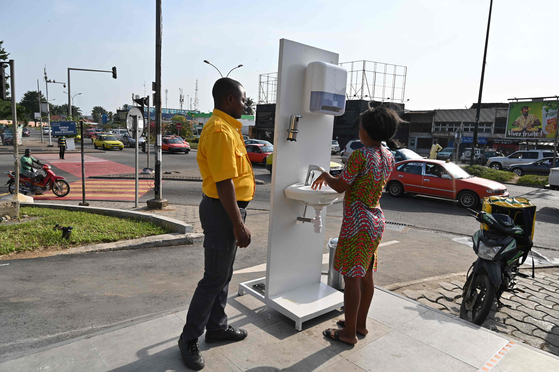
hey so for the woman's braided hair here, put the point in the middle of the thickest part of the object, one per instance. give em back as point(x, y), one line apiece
point(380, 123)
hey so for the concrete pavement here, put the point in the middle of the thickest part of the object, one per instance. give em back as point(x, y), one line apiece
point(406, 335)
point(415, 332)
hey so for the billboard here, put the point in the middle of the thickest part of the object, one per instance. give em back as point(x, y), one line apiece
point(532, 120)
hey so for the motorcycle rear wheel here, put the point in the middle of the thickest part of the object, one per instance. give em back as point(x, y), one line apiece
point(482, 296)
point(11, 186)
point(61, 188)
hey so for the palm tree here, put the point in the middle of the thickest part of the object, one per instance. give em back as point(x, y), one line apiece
point(249, 106)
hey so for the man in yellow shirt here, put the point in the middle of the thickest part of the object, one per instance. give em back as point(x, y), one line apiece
point(434, 150)
point(228, 186)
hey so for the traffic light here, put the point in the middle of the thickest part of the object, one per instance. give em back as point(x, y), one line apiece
point(142, 101)
point(114, 72)
point(3, 94)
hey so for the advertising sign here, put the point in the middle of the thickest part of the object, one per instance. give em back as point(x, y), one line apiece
point(532, 120)
point(66, 128)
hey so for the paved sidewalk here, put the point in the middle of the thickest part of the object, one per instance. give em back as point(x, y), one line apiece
point(405, 335)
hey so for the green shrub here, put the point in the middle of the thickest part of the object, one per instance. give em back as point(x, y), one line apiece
point(490, 174)
point(533, 180)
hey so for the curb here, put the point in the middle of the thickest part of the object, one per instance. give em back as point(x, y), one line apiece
point(171, 224)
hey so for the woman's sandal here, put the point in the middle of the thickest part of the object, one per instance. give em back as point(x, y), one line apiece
point(341, 323)
point(336, 335)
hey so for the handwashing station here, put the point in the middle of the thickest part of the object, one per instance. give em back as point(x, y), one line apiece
point(311, 90)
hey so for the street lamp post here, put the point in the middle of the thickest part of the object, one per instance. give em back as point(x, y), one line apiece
point(206, 61)
point(77, 94)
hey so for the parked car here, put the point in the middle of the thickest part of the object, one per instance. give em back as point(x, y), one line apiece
point(335, 168)
point(399, 155)
point(107, 141)
point(554, 178)
point(537, 167)
point(350, 147)
point(7, 138)
point(441, 179)
point(445, 153)
point(405, 154)
point(467, 154)
point(88, 133)
point(46, 130)
point(175, 144)
point(257, 153)
point(129, 141)
point(488, 154)
point(335, 147)
point(26, 132)
point(119, 132)
point(524, 156)
point(256, 141)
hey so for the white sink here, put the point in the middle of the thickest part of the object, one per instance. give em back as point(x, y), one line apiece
point(315, 198)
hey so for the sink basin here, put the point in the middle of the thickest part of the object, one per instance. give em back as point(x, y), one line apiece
point(315, 198)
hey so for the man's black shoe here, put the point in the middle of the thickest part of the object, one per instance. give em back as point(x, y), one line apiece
point(230, 334)
point(191, 354)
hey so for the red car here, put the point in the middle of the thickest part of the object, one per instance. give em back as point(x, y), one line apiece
point(257, 153)
point(175, 144)
point(443, 180)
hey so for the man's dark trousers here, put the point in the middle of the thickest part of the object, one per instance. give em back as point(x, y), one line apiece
point(61, 153)
point(207, 308)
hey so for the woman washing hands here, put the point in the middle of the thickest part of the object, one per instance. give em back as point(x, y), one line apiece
point(363, 180)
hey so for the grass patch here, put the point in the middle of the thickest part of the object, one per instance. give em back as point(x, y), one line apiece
point(88, 228)
point(533, 180)
point(490, 173)
point(193, 145)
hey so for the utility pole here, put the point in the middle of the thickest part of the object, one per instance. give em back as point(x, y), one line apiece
point(476, 122)
point(40, 111)
point(166, 97)
point(158, 202)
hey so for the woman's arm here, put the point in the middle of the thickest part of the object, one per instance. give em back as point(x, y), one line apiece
point(334, 182)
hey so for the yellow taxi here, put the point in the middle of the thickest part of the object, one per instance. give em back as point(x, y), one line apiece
point(107, 142)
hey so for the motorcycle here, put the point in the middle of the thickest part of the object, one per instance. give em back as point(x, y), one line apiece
point(502, 246)
point(57, 184)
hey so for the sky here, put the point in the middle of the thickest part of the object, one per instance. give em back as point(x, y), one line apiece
point(440, 42)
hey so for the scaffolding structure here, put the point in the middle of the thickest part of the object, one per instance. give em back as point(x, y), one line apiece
point(378, 81)
point(367, 80)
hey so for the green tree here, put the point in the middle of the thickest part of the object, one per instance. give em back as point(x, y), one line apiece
point(187, 126)
point(76, 111)
point(30, 101)
point(6, 111)
point(249, 106)
point(97, 112)
point(4, 57)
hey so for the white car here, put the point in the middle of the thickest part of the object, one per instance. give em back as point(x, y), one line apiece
point(335, 147)
point(47, 130)
point(554, 179)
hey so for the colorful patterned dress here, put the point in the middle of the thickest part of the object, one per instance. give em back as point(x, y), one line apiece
point(366, 172)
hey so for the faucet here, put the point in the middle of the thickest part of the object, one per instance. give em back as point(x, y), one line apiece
point(310, 173)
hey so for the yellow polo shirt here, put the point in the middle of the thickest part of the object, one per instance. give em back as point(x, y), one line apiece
point(222, 155)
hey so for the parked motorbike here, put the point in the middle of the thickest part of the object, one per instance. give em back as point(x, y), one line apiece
point(51, 181)
point(502, 246)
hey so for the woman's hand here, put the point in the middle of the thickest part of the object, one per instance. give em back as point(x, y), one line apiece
point(321, 180)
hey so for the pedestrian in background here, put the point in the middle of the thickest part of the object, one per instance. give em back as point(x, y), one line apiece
point(363, 180)
point(435, 150)
point(228, 186)
point(61, 146)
